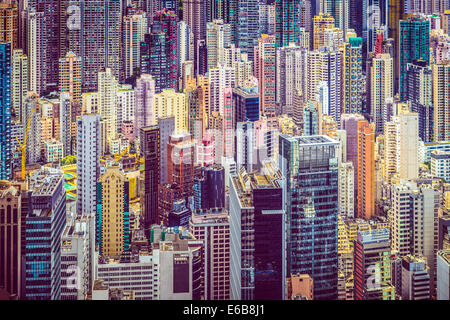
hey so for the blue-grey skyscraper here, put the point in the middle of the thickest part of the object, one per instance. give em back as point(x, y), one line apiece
point(286, 22)
point(248, 26)
point(5, 111)
point(310, 167)
point(44, 225)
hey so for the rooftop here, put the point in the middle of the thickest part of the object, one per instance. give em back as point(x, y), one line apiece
point(44, 181)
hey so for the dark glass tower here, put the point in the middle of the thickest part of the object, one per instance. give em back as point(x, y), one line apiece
point(286, 24)
point(209, 189)
point(310, 166)
point(150, 145)
point(154, 57)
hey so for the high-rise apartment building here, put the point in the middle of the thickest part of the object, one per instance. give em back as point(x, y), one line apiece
point(381, 89)
point(413, 45)
point(19, 82)
point(70, 76)
point(265, 56)
point(220, 77)
point(247, 29)
point(441, 101)
point(218, 36)
point(347, 189)
point(310, 167)
point(212, 227)
point(5, 111)
point(286, 22)
point(9, 23)
point(169, 103)
point(88, 162)
point(134, 29)
point(443, 275)
point(321, 22)
point(415, 278)
point(372, 259)
point(112, 230)
point(365, 178)
point(144, 93)
point(353, 79)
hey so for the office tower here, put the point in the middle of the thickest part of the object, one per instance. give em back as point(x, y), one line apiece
point(441, 101)
point(13, 202)
point(381, 88)
point(372, 259)
point(415, 278)
point(134, 29)
point(414, 222)
point(246, 103)
point(154, 58)
point(323, 81)
point(414, 45)
point(209, 188)
point(169, 103)
point(286, 28)
point(44, 225)
point(168, 21)
point(212, 227)
point(320, 23)
point(248, 24)
point(180, 215)
point(218, 36)
point(36, 52)
point(408, 150)
point(265, 57)
point(420, 95)
point(220, 77)
point(70, 76)
point(228, 123)
point(353, 79)
point(5, 111)
point(19, 82)
point(311, 115)
point(194, 15)
point(112, 229)
point(76, 273)
point(150, 150)
point(290, 75)
point(347, 190)
point(310, 167)
point(186, 48)
point(65, 124)
point(258, 242)
point(181, 162)
point(365, 177)
point(166, 128)
point(9, 23)
point(443, 275)
point(107, 102)
point(396, 13)
point(144, 93)
point(440, 164)
point(34, 142)
point(197, 113)
point(88, 162)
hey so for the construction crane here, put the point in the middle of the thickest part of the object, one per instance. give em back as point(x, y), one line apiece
point(23, 145)
point(118, 157)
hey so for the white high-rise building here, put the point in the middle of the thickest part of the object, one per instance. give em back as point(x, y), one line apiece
point(232, 56)
point(125, 104)
point(65, 123)
point(443, 275)
point(88, 162)
point(218, 36)
point(415, 278)
point(144, 92)
point(382, 87)
point(134, 29)
point(19, 82)
point(409, 144)
point(107, 101)
point(346, 189)
point(220, 78)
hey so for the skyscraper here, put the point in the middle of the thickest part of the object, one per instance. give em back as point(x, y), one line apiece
point(44, 226)
point(310, 167)
point(5, 111)
point(381, 88)
point(353, 80)
point(70, 76)
point(150, 150)
point(441, 101)
point(88, 162)
point(112, 231)
point(247, 26)
point(265, 56)
point(9, 23)
point(134, 29)
point(414, 44)
point(19, 82)
point(144, 92)
point(372, 256)
point(365, 178)
point(320, 23)
point(287, 18)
